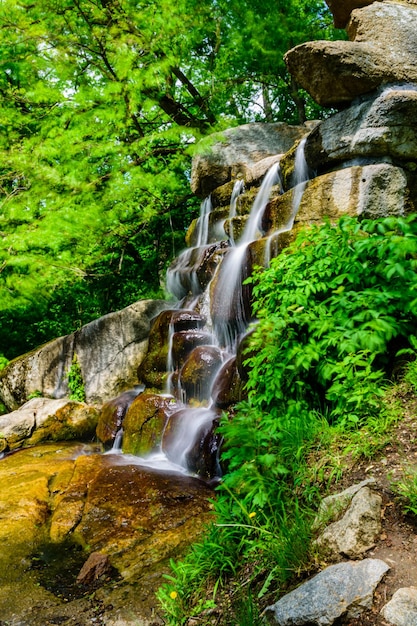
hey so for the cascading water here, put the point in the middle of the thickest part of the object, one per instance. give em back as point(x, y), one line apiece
point(238, 188)
point(201, 356)
point(301, 177)
point(188, 259)
point(300, 180)
point(229, 282)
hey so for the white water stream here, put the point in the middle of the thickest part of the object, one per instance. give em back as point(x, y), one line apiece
point(191, 424)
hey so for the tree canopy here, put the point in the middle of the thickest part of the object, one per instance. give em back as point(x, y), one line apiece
point(102, 102)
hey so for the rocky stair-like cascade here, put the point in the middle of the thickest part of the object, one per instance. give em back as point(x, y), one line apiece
point(190, 371)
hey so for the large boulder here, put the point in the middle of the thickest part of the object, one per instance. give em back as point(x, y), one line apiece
point(109, 351)
point(381, 126)
point(43, 419)
point(382, 49)
point(234, 152)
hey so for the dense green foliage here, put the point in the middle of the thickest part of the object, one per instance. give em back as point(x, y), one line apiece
point(334, 312)
point(102, 102)
point(75, 381)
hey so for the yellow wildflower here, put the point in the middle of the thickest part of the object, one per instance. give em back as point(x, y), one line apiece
point(252, 514)
point(173, 595)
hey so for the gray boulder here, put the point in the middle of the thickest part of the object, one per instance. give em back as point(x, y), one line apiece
point(357, 531)
point(401, 610)
point(109, 351)
point(382, 49)
point(342, 589)
point(382, 126)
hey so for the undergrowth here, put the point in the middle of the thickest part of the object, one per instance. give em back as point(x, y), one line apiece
point(335, 312)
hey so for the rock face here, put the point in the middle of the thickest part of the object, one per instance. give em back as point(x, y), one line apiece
point(382, 126)
point(342, 589)
point(382, 49)
point(108, 350)
point(234, 152)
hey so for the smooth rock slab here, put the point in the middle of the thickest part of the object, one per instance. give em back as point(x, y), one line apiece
point(401, 610)
point(341, 589)
point(44, 419)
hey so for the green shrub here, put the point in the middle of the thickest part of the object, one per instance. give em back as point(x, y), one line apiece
point(333, 311)
point(75, 381)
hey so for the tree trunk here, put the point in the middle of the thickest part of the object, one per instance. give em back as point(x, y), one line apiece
point(299, 101)
point(267, 104)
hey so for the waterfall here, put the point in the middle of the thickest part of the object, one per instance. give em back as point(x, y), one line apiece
point(252, 227)
point(229, 282)
point(203, 222)
point(201, 365)
point(300, 180)
point(238, 188)
point(183, 278)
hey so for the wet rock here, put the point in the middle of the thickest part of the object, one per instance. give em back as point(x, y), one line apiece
point(112, 415)
point(197, 373)
point(108, 350)
point(96, 565)
point(228, 387)
point(382, 50)
point(401, 610)
point(341, 589)
point(43, 419)
point(135, 517)
point(190, 440)
point(184, 342)
point(193, 269)
point(150, 516)
point(356, 532)
point(231, 152)
point(153, 369)
point(145, 421)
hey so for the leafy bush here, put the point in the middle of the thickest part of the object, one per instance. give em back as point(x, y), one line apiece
point(333, 311)
point(75, 381)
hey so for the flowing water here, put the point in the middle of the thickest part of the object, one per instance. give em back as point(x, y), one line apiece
point(190, 429)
